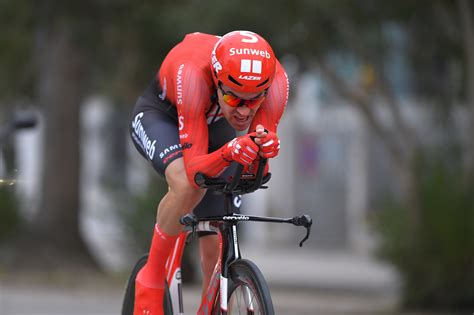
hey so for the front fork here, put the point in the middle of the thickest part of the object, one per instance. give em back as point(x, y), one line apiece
point(229, 252)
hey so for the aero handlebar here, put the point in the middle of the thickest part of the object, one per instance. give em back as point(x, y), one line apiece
point(236, 184)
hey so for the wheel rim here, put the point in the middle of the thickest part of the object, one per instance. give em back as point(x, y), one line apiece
point(243, 300)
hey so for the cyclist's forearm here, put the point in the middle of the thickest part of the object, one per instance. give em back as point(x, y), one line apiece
point(212, 164)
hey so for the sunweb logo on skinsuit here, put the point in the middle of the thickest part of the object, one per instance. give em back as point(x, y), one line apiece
point(140, 136)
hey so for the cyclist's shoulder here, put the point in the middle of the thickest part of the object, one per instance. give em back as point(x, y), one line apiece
point(194, 50)
point(189, 58)
point(201, 38)
point(280, 72)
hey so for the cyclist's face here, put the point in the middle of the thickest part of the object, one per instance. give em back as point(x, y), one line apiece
point(239, 117)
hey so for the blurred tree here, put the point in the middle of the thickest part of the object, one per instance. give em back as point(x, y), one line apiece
point(436, 41)
point(116, 46)
point(56, 54)
point(61, 80)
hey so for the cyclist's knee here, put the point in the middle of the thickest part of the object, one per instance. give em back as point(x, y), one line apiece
point(179, 184)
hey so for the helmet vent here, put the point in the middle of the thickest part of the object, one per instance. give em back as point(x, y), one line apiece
point(234, 81)
point(263, 83)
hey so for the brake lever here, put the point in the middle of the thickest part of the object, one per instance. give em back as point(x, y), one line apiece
point(307, 222)
point(308, 231)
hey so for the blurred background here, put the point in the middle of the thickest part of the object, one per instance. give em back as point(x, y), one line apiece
point(376, 139)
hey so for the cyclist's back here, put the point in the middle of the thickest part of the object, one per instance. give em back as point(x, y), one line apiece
point(193, 51)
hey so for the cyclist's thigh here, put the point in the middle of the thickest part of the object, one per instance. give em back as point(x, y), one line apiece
point(155, 135)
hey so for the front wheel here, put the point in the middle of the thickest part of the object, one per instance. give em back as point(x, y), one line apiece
point(129, 298)
point(248, 291)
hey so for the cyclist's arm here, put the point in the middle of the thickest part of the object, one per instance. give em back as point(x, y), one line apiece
point(272, 109)
point(193, 129)
point(270, 112)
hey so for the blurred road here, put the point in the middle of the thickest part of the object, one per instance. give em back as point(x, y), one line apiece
point(103, 299)
point(301, 283)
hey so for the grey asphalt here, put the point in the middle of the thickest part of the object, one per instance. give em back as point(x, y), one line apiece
point(48, 300)
point(339, 271)
point(301, 282)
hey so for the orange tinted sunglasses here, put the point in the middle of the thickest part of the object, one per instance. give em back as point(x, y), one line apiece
point(235, 101)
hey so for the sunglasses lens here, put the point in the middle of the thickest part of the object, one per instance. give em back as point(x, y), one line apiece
point(232, 100)
point(235, 101)
point(254, 103)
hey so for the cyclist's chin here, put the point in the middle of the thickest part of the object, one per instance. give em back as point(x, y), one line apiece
point(240, 125)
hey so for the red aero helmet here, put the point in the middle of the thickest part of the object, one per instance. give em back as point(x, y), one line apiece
point(243, 61)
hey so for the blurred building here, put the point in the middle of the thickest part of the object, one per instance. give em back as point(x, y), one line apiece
point(330, 166)
point(324, 169)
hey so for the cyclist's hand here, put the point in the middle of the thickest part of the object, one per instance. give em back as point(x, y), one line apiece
point(268, 141)
point(252, 168)
point(241, 149)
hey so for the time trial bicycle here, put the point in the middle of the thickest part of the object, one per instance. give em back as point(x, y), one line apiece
point(237, 286)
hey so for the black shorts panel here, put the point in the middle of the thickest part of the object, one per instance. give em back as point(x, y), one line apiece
point(154, 132)
point(155, 135)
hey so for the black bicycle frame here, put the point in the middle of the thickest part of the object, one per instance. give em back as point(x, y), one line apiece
point(227, 223)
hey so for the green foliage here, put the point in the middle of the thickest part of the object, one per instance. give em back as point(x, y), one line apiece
point(16, 42)
point(9, 218)
point(124, 41)
point(141, 218)
point(436, 256)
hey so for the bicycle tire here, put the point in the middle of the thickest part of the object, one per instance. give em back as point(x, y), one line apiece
point(129, 297)
point(245, 275)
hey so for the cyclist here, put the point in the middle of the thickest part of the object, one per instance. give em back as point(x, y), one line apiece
point(207, 88)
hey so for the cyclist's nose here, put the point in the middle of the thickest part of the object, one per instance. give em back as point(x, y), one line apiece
point(243, 110)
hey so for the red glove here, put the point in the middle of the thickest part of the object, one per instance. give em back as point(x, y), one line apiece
point(270, 145)
point(241, 149)
point(252, 168)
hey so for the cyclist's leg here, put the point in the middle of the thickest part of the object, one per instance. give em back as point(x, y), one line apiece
point(209, 251)
point(155, 134)
point(156, 137)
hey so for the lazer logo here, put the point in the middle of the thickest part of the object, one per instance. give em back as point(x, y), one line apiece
point(236, 218)
point(249, 77)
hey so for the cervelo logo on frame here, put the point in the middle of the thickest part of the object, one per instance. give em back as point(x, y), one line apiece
point(236, 218)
